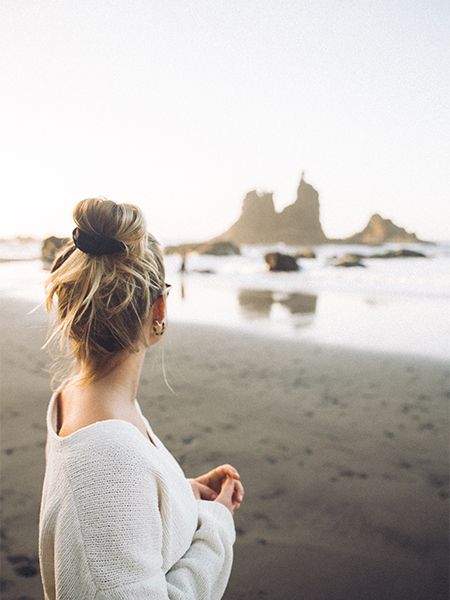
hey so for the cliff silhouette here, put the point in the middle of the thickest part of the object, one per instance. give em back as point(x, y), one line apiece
point(260, 223)
point(299, 223)
point(379, 231)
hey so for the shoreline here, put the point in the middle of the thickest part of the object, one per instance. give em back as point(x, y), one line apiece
point(343, 455)
point(351, 319)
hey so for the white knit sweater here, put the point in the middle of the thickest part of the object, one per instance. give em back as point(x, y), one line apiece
point(119, 520)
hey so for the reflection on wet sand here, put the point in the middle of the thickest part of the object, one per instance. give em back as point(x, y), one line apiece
point(259, 303)
point(300, 303)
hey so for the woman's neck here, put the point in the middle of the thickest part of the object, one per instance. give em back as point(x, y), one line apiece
point(119, 387)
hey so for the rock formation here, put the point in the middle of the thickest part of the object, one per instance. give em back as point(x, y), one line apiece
point(259, 223)
point(297, 224)
point(276, 261)
point(219, 249)
point(381, 231)
point(50, 247)
point(349, 260)
point(400, 253)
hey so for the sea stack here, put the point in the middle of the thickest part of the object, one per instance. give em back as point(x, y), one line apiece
point(381, 231)
point(299, 223)
point(296, 224)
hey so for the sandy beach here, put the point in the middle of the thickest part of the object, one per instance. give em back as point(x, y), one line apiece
point(343, 455)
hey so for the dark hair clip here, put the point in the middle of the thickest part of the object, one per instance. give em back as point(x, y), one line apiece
point(96, 243)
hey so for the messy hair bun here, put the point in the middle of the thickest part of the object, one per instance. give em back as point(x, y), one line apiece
point(123, 222)
point(102, 302)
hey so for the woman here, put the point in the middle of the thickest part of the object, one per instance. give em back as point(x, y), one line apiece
point(118, 517)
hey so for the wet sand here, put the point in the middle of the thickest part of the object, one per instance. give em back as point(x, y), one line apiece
point(343, 455)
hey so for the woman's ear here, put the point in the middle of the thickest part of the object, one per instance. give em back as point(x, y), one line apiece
point(158, 310)
point(157, 313)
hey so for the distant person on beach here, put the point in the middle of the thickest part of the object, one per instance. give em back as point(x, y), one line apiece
point(118, 517)
point(183, 263)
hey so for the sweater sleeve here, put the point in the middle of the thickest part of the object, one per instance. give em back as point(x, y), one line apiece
point(203, 572)
point(117, 498)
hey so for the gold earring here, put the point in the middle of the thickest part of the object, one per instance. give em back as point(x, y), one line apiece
point(160, 329)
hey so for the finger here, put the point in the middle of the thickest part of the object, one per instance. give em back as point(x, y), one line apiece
point(228, 470)
point(239, 491)
point(228, 487)
point(206, 492)
point(211, 480)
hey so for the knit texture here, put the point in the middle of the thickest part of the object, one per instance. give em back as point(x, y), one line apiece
point(119, 520)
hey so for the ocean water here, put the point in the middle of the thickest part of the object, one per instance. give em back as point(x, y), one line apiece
point(396, 305)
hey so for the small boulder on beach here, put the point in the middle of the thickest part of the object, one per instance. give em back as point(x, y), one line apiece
point(305, 253)
point(400, 253)
point(349, 260)
point(50, 247)
point(276, 261)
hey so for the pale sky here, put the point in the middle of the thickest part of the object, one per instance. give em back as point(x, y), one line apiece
point(183, 106)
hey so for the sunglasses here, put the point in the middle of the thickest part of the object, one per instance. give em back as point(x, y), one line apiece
point(166, 290)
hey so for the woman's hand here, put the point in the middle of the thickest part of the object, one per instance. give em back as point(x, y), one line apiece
point(202, 492)
point(209, 485)
point(228, 493)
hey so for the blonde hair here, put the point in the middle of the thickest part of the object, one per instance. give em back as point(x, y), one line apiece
point(103, 301)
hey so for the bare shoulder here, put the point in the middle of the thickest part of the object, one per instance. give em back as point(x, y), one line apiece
point(77, 414)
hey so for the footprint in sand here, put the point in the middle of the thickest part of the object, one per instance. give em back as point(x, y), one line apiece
point(426, 426)
point(276, 493)
point(6, 584)
point(351, 473)
point(23, 565)
point(227, 426)
point(39, 426)
point(404, 464)
point(263, 517)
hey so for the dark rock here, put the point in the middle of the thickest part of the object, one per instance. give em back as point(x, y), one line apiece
point(281, 262)
point(349, 260)
point(50, 247)
point(401, 253)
